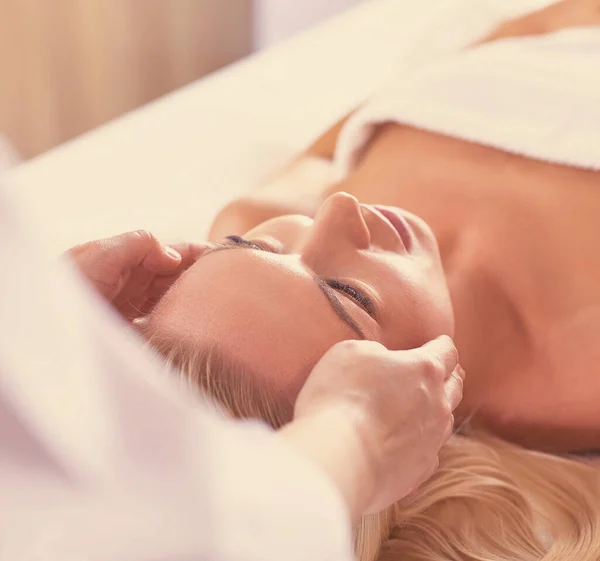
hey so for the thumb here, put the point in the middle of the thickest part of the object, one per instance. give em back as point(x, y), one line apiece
point(442, 351)
point(141, 247)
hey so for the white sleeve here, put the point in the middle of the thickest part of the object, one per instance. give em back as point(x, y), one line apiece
point(101, 458)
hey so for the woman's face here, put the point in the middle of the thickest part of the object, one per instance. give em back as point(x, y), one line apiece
point(281, 296)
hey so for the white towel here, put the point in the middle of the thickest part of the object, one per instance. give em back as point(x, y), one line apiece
point(534, 96)
point(8, 155)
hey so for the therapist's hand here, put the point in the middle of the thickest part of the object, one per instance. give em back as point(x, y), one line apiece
point(396, 405)
point(133, 270)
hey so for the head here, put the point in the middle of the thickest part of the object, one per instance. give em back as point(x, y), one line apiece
point(247, 323)
point(279, 297)
point(488, 500)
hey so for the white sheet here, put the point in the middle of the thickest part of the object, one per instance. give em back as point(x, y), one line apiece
point(170, 165)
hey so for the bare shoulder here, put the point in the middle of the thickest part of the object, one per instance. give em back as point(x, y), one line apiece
point(561, 15)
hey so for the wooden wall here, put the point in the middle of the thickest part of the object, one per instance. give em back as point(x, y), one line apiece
point(67, 66)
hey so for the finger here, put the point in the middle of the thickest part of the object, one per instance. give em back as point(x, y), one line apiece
point(190, 253)
point(453, 389)
point(164, 280)
point(162, 259)
point(444, 351)
point(132, 299)
point(145, 288)
point(449, 430)
point(142, 248)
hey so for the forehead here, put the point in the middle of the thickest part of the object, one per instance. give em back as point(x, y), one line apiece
point(265, 311)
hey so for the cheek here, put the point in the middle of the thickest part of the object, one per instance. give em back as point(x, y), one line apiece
point(421, 308)
point(441, 314)
point(433, 305)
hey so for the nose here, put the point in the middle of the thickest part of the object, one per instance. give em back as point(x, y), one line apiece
point(339, 224)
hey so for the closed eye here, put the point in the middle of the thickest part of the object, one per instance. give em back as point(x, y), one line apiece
point(238, 240)
point(358, 296)
point(328, 287)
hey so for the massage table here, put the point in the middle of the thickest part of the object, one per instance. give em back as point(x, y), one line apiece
point(169, 166)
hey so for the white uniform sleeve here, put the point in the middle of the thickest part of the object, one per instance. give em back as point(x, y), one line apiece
point(101, 458)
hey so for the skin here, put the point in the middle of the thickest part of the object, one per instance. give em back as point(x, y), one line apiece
point(520, 247)
point(519, 243)
point(363, 411)
point(134, 270)
point(251, 302)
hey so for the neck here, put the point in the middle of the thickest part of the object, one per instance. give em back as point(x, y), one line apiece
point(492, 334)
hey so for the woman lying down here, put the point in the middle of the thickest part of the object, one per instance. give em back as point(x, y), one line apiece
point(466, 202)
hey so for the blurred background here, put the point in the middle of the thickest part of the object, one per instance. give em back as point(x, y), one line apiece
point(68, 66)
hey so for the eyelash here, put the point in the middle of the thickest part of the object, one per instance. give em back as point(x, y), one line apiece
point(350, 291)
point(357, 296)
point(238, 240)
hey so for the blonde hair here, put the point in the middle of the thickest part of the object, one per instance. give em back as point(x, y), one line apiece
point(489, 500)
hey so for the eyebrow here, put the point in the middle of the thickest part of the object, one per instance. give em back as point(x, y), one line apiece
point(328, 292)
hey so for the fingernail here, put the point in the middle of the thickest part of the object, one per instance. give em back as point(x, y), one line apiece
point(174, 254)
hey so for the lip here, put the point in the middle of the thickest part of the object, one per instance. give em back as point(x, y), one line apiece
point(399, 224)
